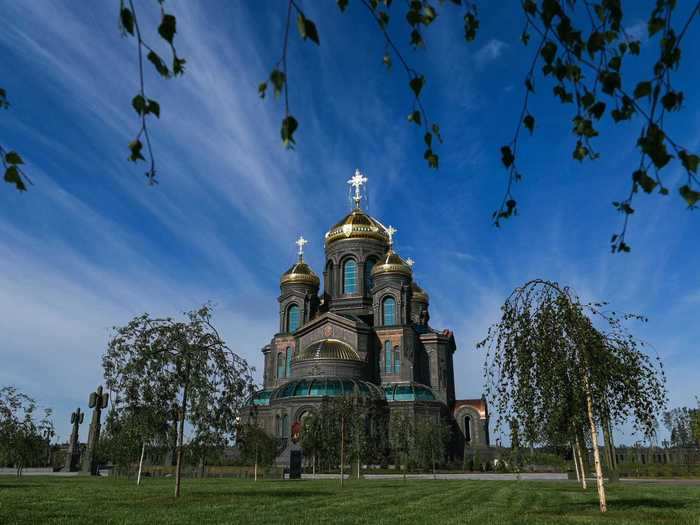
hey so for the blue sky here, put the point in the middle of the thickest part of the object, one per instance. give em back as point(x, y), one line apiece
point(91, 245)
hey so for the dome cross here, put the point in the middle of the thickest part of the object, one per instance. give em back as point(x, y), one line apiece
point(300, 242)
point(357, 181)
point(410, 262)
point(390, 232)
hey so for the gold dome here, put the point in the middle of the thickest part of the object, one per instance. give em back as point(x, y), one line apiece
point(357, 224)
point(329, 349)
point(419, 294)
point(300, 273)
point(392, 263)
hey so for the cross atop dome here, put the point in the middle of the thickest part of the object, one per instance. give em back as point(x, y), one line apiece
point(357, 181)
point(410, 262)
point(390, 232)
point(300, 242)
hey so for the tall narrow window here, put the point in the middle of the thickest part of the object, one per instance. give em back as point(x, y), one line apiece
point(280, 365)
point(397, 360)
point(288, 371)
point(389, 311)
point(292, 318)
point(467, 429)
point(350, 276)
point(278, 426)
point(368, 275)
point(285, 426)
point(387, 357)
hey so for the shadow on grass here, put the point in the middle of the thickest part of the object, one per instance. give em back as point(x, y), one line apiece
point(639, 504)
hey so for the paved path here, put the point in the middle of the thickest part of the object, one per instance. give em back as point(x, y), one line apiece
point(529, 476)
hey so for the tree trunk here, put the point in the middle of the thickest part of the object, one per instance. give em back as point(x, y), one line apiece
point(180, 437)
point(313, 466)
point(404, 466)
point(596, 452)
point(255, 467)
point(573, 454)
point(143, 452)
point(358, 466)
point(581, 464)
point(342, 450)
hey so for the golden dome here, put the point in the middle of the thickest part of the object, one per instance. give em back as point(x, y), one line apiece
point(419, 294)
point(392, 263)
point(357, 224)
point(329, 349)
point(300, 273)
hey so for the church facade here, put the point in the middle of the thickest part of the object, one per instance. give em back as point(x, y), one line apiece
point(365, 333)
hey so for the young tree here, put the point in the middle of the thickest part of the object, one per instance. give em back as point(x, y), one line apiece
point(164, 362)
point(552, 369)
point(257, 447)
point(680, 422)
point(312, 439)
point(402, 436)
point(431, 439)
point(23, 438)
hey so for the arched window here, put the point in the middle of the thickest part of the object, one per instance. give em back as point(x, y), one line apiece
point(369, 264)
point(467, 429)
point(350, 276)
point(288, 371)
point(292, 318)
point(389, 311)
point(285, 426)
point(397, 360)
point(387, 357)
point(280, 365)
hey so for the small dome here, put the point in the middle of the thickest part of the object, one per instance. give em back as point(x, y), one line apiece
point(357, 224)
point(392, 263)
point(328, 387)
point(408, 392)
point(419, 294)
point(300, 273)
point(328, 349)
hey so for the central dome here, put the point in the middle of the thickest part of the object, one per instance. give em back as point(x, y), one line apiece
point(329, 349)
point(357, 224)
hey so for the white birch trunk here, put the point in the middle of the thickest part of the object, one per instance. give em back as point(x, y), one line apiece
point(596, 452)
point(573, 453)
point(143, 452)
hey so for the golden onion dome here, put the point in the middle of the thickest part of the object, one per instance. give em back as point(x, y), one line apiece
point(329, 349)
point(419, 294)
point(357, 224)
point(300, 273)
point(392, 263)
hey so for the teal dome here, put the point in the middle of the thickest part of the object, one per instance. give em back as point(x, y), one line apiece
point(260, 398)
point(327, 387)
point(408, 392)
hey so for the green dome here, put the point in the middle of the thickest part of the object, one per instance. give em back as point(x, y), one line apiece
point(259, 398)
point(327, 387)
point(408, 392)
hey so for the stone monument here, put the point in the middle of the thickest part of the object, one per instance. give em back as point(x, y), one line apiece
point(73, 454)
point(98, 400)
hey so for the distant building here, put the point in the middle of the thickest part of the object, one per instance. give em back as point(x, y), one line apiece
point(366, 334)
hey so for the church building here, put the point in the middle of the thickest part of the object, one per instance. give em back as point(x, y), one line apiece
point(367, 333)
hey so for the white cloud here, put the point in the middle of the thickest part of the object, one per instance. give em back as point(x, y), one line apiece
point(489, 52)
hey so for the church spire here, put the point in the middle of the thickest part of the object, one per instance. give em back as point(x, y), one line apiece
point(357, 181)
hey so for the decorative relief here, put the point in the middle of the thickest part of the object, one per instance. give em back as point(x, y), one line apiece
point(328, 331)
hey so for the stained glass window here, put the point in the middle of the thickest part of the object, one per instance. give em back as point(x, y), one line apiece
point(389, 311)
point(350, 276)
point(292, 318)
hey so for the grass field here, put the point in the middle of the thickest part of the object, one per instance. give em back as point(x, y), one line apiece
point(101, 500)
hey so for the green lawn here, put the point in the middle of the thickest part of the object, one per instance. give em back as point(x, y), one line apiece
point(103, 500)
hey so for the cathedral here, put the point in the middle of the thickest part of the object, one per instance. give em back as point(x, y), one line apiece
point(366, 333)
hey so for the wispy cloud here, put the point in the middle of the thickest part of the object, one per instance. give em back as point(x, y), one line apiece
point(490, 52)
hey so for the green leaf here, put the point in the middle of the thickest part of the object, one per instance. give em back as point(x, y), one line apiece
point(549, 52)
point(158, 63)
point(127, 20)
point(580, 151)
point(12, 176)
point(672, 100)
point(153, 107)
point(655, 25)
point(471, 25)
point(691, 196)
point(342, 4)
point(428, 139)
point(597, 110)
point(429, 15)
point(383, 19)
point(135, 147)
point(615, 63)
point(530, 7)
point(415, 117)
point(139, 104)
point(436, 131)
point(417, 84)
point(307, 29)
point(596, 42)
point(289, 126)
point(166, 29)
point(278, 78)
point(644, 180)
point(507, 157)
point(432, 158)
point(690, 161)
point(652, 144)
point(262, 89)
point(635, 47)
point(529, 122)
point(643, 89)
point(610, 81)
point(416, 38)
point(178, 65)
point(12, 157)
